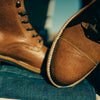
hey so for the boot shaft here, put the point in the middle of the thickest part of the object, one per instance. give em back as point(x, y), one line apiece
point(11, 17)
point(19, 42)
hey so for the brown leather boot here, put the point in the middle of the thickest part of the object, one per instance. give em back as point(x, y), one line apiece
point(76, 50)
point(19, 42)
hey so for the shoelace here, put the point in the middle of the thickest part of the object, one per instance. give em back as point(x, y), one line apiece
point(18, 4)
point(92, 31)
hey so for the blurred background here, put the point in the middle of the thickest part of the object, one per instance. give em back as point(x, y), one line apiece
point(48, 16)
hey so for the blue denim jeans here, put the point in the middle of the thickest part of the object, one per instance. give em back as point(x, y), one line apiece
point(21, 84)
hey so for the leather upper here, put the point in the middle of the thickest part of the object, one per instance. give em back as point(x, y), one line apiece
point(74, 55)
point(15, 41)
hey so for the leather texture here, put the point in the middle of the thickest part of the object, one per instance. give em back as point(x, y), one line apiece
point(16, 43)
point(73, 56)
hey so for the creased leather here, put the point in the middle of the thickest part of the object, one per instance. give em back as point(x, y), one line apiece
point(15, 41)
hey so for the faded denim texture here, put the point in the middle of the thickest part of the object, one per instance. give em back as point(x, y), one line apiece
point(21, 84)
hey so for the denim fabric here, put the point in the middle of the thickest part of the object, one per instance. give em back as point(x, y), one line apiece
point(21, 84)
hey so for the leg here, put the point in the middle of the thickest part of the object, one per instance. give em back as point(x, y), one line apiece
point(21, 84)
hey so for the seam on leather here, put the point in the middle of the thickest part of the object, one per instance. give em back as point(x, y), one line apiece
point(80, 51)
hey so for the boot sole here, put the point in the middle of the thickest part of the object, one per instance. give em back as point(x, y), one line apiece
point(19, 63)
point(54, 44)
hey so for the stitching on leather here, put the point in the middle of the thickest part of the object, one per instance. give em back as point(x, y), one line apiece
point(84, 54)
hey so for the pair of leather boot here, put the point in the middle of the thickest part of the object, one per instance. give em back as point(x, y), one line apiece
point(73, 55)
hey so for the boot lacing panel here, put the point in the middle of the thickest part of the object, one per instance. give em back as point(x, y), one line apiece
point(18, 4)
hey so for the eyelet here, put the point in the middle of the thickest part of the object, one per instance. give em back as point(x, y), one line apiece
point(30, 29)
point(39, 40)
point(35, 35)
point(25, 22)
point(22, 13)
point(18, 4)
